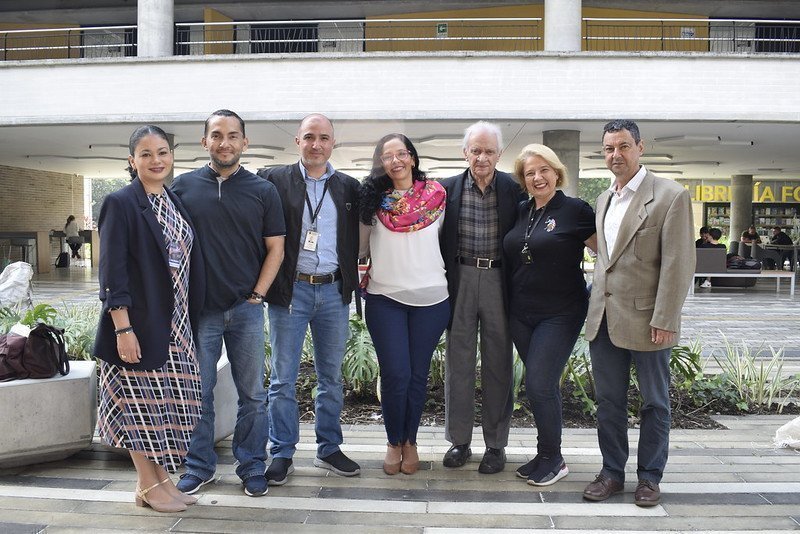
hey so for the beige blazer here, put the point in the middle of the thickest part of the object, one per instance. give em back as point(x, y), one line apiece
point(645, 280)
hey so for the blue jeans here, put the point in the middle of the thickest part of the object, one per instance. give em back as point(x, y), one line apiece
point(545, 343)
point(611, 368)
point(242, 329)
point(321, 307)
point(404, 338)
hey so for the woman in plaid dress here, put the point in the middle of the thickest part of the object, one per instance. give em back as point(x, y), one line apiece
point(151, 283)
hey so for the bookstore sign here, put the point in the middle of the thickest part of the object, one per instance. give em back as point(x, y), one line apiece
point(719, 191)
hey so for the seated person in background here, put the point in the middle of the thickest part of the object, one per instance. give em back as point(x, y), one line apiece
point(752, 234)
point(712, 241)
point(703, 237)
point(74, 239)
point(779, 237)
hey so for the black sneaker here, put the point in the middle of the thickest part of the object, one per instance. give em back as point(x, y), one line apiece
point(339, 464)
point(278, 471)
point(549, 471)
point(524, 471)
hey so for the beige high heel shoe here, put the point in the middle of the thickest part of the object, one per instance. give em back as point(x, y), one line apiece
point(171, 507)
point(391, 464)
point(410, 463)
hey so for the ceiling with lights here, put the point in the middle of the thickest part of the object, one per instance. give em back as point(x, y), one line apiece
point(680, 150)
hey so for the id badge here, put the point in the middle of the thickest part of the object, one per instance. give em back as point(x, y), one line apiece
point(175, 255)
point(310, 243)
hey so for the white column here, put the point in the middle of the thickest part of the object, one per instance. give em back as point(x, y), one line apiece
point(155, 28)
point(567, 146)
point(562, 25)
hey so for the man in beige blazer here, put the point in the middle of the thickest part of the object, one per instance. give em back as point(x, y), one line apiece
point(645, 263)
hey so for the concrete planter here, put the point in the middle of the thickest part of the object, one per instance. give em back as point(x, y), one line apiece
point(50, 419)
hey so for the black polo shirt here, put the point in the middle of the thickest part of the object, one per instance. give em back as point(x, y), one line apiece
point(232, 217)
point(553, 282)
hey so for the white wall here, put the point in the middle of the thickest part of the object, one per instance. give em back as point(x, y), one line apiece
point(460, 86)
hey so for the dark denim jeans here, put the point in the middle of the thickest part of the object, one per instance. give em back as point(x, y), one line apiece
point(544, 343)
point(242, 329)
point(611, 367)
point(321, 307)
point(404, 338)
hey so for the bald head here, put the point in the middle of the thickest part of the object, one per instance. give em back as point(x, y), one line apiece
point(315, 141)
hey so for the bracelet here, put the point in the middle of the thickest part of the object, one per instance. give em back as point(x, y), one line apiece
point(255, 295)
point(126, 330)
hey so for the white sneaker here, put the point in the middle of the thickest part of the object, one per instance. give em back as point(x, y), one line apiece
point(707, 283)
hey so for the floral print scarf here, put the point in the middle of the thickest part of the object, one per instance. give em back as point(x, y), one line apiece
point(415, 209)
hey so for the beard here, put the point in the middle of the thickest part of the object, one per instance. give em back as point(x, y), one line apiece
point(225, 165)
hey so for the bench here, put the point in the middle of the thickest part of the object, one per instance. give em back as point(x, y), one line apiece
point(48, 419)
point(711, 263)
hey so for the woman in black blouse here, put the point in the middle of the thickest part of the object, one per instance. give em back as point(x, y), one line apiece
point(547, 295)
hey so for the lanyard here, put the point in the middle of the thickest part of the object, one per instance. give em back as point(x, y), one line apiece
point(315, 212)
point(533, 222)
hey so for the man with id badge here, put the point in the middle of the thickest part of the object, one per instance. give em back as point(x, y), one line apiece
point(313, 289)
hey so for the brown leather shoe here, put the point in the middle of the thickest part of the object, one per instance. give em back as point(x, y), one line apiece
point(647, 494)
point(602, 488)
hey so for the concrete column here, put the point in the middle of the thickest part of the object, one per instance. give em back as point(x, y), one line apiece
point(567, 146)
point(741, 205)
point(562, 25)
point(155, 28)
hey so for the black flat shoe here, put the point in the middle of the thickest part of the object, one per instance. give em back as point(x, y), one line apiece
point(494, 461)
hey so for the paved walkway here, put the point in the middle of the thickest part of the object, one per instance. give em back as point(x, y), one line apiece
point(730, 480)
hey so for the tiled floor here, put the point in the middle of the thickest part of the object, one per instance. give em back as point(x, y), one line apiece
point(717, 481)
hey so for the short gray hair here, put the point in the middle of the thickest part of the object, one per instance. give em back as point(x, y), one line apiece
point(483, 126)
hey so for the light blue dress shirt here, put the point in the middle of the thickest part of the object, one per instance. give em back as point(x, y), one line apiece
point(324, 260)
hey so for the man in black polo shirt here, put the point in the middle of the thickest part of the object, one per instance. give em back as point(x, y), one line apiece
point(239, 223)
point(481, 208)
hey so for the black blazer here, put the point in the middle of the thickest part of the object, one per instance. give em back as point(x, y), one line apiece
point(288, 180)
point(509, 195)
point(134, 272)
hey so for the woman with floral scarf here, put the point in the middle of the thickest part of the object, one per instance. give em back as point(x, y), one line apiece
point(407, 308)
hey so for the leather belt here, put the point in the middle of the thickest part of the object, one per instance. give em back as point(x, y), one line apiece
point(318, 279)
point(480, 263)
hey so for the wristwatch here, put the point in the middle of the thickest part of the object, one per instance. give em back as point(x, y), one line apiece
point(255, 296)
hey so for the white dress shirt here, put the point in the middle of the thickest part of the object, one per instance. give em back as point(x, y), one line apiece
point(620, 200)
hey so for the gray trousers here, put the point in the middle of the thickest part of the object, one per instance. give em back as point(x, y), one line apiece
point(479, 305)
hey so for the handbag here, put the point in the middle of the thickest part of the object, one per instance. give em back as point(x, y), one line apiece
point(11, 348)
point(42, 354)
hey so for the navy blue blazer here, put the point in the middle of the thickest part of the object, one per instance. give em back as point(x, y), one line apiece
point(135, 272)
point(509, 195)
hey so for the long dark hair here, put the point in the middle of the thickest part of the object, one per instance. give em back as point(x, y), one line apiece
point(140, 133)
point(377, 183)
point(69, 220)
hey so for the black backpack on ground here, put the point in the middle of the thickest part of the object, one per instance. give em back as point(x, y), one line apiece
point(62, 260)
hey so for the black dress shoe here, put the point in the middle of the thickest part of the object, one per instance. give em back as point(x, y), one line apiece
point(494, 461)
point(457, 456)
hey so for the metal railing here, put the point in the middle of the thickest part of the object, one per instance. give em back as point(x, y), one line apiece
point(691, 35)
point(412, 34)
point(359, 35)
point(60, 43)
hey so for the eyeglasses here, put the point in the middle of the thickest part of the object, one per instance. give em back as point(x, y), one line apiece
point(401, 155)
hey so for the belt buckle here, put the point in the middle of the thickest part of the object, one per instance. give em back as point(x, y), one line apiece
point(483, 263)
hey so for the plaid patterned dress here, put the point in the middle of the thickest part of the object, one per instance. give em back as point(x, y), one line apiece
point(154, 412)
